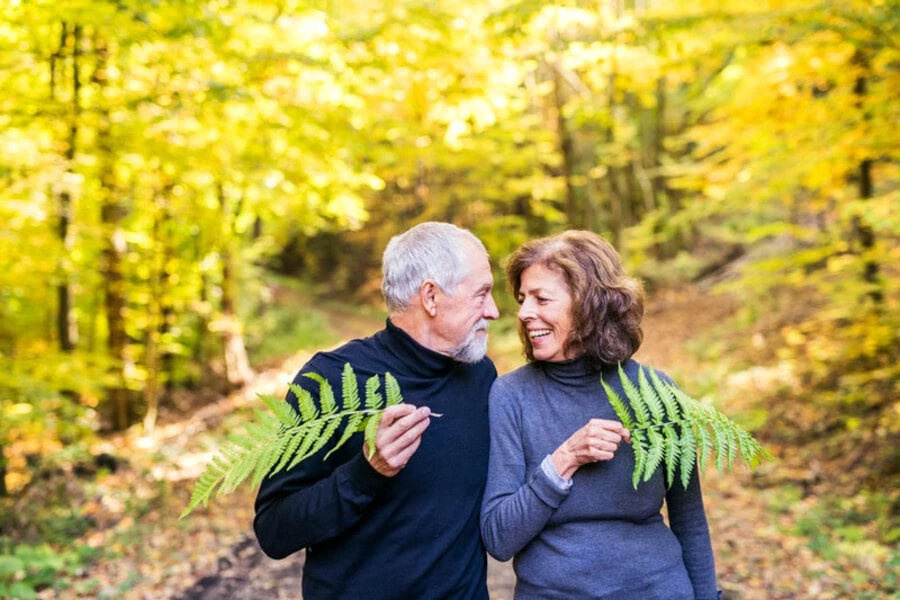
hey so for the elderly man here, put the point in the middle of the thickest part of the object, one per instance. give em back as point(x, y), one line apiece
point(403, 521)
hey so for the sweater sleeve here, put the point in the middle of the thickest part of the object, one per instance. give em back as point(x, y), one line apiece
point(316, 500)
point(687, 519)
point(517, 504)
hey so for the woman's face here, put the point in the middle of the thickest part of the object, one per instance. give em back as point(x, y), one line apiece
point(546, 312)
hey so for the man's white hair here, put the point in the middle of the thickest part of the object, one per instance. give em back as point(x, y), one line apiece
point(430, 250)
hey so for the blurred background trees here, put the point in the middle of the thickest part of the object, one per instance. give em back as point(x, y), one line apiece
point(159, 161)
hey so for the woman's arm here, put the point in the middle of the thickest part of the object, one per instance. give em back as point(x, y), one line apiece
point(517, 504)
point(687, 519)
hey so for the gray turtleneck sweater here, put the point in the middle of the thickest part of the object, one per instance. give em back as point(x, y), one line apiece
point(599, 537)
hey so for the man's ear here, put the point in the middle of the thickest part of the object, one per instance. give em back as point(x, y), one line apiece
point(428, 295)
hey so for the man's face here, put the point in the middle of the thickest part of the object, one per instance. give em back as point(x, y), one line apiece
point(462, 318)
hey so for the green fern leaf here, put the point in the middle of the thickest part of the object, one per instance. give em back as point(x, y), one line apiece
point(371, 428)
point(293, 440)
point(314, 430)
point(374, 401)
point(666, 395)
point(655, 453)
point(331, 427)
point(651, 398)
point(283, 411)
point(350, 427)
point(639, 443)
point(392, 390)
point(618, 406)
point(672, 452)
point(670, 428)
point(326, 394)
point(349, 388)
point(688, 453)
point(305, 403)
point(638, 405)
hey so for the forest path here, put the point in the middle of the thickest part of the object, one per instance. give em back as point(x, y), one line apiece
point(213, 553)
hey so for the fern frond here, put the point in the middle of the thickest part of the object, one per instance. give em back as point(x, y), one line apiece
point(283, 437)
point(672, 429)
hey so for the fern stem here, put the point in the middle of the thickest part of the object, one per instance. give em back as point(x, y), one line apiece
point(661, 425)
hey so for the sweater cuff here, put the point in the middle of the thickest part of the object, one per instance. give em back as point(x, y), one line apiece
point(558, 480)
point(362, 476)
point(545, 489)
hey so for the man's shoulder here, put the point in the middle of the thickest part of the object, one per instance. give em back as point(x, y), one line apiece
point(359, 353)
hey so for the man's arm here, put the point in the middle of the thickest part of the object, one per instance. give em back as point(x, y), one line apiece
point(318, 500)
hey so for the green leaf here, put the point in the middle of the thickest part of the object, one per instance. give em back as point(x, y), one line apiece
point(280, 439)
point(374, 400)
point(326, 393)
point(672, 429)
point(618, 405)
point(350, 427)
point(392, 390)
point(370, 431)
point(349, 388)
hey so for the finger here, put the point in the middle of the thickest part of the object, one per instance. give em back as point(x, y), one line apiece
point(406, 438)
point(394, 412)
point(406, 420)
point(403, 457)
point(626, 435)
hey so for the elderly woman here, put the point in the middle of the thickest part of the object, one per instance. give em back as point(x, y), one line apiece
point(559, 497)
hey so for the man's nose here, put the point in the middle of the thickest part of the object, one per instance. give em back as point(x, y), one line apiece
point(490, 309)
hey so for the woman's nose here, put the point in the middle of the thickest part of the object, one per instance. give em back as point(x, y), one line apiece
point(525, 311)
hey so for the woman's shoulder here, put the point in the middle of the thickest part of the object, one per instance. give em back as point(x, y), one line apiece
point(632, 369)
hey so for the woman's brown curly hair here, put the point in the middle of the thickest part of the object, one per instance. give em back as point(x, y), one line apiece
point(607, 305)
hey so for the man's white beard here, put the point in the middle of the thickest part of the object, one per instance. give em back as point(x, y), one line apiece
point(474, 347)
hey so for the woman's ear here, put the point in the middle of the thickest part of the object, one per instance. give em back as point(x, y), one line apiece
point(428, 295)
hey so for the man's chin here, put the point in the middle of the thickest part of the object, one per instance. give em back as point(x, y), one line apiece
point(474, 350)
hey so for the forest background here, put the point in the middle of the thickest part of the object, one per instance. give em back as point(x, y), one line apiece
point(193, 190)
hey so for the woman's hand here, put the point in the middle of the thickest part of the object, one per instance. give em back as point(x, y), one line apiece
point(597, 440)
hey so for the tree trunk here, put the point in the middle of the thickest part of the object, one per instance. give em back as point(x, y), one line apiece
point(111, 215)
point(861, 230)
point(237, 365)
point(66, 325)
point(3, 491)
point(566, 149)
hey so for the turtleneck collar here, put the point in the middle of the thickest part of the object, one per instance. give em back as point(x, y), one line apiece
point(415, 358)
point(575, 371)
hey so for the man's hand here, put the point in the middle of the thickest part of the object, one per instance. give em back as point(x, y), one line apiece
point(398, 437)
point(597, 440)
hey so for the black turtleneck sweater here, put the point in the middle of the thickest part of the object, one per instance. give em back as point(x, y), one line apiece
point(414, 535)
